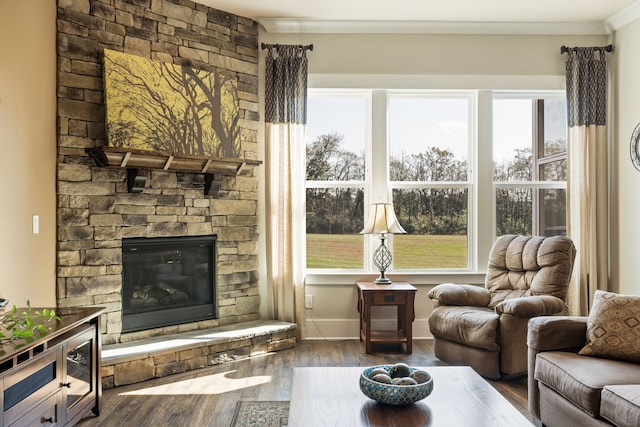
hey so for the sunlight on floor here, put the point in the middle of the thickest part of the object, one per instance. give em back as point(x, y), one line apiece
point(209, 384)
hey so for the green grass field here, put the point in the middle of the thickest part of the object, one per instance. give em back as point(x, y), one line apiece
point(409, 252)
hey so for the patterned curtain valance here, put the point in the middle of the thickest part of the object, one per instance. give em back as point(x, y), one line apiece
point(286, 84)
point(586, 86)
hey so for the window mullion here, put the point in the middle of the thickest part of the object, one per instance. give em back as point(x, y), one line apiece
point(379, 173)
point(484, 202)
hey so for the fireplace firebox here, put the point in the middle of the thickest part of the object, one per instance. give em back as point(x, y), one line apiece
point(167, 281)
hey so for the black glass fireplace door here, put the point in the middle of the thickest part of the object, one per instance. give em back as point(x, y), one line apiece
point(167, 281)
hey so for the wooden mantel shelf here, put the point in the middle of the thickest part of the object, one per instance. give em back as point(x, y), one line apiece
point(138, 162)
point(171, 162)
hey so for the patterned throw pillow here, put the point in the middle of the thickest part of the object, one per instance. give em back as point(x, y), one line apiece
point(613, 327)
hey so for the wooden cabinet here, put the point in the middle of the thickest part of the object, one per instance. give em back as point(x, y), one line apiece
point(54, 380)
point(399, 294)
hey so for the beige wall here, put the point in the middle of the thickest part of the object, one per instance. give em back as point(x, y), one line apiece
point(398, 54)
point(28, 151)
point(625, 197)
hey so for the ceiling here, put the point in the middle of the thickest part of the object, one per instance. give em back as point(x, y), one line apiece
point(306, 13)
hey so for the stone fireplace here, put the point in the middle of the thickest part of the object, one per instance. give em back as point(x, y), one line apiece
point(96, 213)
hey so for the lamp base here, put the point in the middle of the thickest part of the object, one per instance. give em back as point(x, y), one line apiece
point(382, 281)
point(382, 260)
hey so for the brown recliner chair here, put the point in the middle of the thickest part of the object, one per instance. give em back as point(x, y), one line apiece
point(486, 327)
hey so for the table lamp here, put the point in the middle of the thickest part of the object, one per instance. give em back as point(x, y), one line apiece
point(382, 220)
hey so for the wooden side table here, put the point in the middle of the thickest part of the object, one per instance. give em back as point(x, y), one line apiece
point(400, 294)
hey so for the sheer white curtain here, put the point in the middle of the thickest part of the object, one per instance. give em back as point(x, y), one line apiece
point(285, 117)
point(587, 195)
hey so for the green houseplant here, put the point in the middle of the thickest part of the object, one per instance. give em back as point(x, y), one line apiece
point(20, 327)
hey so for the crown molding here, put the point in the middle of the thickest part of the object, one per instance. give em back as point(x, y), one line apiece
point(623, 18)
point(300, 26)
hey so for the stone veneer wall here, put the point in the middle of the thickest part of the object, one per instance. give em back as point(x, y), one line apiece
point(94, 209)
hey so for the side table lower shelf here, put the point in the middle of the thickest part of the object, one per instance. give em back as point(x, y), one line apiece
point(388, 337)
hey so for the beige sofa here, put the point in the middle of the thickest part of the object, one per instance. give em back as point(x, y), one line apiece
point(568, 389)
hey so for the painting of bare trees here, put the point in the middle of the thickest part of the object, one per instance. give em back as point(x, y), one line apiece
point(158, 106)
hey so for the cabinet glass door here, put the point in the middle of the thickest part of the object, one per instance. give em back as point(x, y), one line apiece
point(79, 381)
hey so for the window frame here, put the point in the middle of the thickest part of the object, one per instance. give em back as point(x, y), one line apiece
point(480, 163)
point(363, 184)
point(469, 184)
point(538, 158)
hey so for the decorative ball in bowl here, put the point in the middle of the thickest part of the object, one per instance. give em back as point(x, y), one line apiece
point(396, 384)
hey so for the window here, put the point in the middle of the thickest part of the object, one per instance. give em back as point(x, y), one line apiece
point(429, 143)
point(337, 137)
point(422, 151)
point(530, 165)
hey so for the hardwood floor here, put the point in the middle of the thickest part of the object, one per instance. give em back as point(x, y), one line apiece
point(208, 397)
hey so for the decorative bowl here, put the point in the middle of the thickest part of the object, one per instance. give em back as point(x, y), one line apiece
point(393, 394)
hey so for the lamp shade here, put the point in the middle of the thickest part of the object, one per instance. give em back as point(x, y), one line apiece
point(382, 220)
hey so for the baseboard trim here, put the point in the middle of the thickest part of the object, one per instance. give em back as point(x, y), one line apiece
point(348, 329)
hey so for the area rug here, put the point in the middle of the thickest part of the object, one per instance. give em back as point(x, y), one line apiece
point(261, 414)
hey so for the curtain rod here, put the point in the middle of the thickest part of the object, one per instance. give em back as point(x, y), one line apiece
point(564, 49)
point(269, 46)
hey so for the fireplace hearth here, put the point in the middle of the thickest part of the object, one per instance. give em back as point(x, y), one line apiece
point(167, 281)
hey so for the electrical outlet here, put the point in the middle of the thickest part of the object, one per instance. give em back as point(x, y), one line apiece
point(308, 301)
point(36, 224)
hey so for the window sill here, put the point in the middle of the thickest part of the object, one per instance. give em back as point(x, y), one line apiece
point(415, 278)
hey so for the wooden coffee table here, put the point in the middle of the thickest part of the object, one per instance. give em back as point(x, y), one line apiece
point(460, 397)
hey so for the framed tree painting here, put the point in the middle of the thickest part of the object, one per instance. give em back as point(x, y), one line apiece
point(158, 106)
